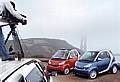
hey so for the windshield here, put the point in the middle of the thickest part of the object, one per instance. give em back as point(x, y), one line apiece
point(89, 56)
point(60, 54)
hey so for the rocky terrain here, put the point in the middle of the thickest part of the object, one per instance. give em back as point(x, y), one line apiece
point(41, 47)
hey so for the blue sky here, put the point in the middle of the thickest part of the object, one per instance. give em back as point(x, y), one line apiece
point(99, 20)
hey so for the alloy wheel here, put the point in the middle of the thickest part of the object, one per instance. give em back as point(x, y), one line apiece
point(66, 71)
point(114, 69)
point(93, 74)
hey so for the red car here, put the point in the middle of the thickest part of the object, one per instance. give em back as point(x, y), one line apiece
point(63, 60)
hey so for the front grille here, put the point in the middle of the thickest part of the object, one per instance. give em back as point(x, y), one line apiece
point(55, 65)
point(79, 67)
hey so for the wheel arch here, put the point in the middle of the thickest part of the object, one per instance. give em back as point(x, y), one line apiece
point(94, 68)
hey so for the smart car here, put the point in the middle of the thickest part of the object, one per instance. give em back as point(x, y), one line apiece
point(26, 70)
point(63, 60)
point(92, 63)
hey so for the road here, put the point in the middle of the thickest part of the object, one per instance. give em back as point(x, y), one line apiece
point(106, 77)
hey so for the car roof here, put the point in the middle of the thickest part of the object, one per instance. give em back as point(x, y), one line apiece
point(8, 67)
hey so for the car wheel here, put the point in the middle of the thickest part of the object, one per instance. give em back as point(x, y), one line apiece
point(93, 74)
point(114, 69)
point(66, 71)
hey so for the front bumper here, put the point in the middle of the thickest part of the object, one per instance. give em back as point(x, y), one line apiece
point(81, 71)
point(59, 68)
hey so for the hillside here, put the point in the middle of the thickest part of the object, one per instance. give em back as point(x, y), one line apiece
point(41, 47)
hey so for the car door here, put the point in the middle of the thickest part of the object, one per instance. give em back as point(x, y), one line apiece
point(72, 59)
point(103, 61)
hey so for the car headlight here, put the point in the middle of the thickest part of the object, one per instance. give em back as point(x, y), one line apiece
point(61, 63)
point(88, 65)
point(49, 62)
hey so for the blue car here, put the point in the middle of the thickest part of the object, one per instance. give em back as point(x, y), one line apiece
point(92, 63)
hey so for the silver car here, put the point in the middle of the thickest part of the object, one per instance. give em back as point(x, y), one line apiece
point(26, 70)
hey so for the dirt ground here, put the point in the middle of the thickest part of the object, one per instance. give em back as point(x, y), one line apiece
point(106, 77)
point(101, 78)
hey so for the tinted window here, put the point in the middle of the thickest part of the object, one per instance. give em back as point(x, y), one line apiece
point(72, 54)
point(61, 54)
point(76, 53)
point(35, 76)
point(103, 55)
point(89, 56)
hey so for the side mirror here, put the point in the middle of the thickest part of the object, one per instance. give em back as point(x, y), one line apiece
point(99, 59)
point(53, 73)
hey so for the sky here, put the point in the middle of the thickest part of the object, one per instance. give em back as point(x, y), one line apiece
point(98, 20)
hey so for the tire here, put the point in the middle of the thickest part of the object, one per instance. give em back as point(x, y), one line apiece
point(66, 71)
point(114, 69)
point(93, 74)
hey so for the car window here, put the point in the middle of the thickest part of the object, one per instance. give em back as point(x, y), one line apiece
point(89, 56)
point(60, 54)
point(108, 55)
point(35, 76)
point(72, 54)
point(103, 55)
point(76, 53)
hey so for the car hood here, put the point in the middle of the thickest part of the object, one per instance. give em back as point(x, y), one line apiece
point(81, 64)
point(56, 62)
